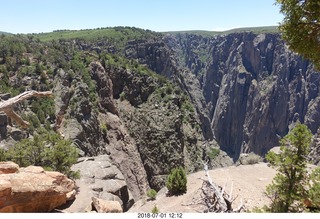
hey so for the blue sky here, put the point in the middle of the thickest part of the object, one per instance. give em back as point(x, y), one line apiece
point(30, 16)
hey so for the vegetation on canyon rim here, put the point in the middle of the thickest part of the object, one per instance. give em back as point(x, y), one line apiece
point(301, 27)
point(47, 149)
point(294, 188)
point(32, 62)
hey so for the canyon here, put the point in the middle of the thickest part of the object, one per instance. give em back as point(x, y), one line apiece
point(161, 100)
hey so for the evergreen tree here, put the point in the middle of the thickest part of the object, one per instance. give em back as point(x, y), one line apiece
point(152, 194)
point(63, 155)
point(301, 28)
point(177, 181)
point(46, 149)
point(314, 192)
point(291, 186)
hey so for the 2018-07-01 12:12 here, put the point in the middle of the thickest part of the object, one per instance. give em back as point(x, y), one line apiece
point(159, 215)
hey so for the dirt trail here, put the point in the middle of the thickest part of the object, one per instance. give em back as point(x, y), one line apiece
point(249, 183)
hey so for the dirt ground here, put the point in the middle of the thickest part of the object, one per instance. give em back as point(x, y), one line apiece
point(248, 183)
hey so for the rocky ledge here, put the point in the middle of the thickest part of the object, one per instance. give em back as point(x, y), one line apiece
point(102, 187)
point(31, 189)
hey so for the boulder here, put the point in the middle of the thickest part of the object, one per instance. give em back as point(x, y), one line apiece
point(104, 206)
point(5, 96)
point(3, 119)
point(3, 125)
point(32, 189)
point(8, 167)
point(99, 179)
point(17, 134)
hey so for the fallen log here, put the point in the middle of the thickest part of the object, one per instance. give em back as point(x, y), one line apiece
point(7, 105)
point(216, 198)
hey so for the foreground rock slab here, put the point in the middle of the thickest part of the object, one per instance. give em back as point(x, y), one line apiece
point(8, 167)
point(104, 206)
point(99, 179)
point(32, 189)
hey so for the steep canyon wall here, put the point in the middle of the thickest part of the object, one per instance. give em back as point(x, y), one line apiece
point(254, 87)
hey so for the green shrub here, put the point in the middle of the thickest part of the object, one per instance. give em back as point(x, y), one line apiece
point(122, 96)
point(254, 158)
point(62, 156)
point(46, 149)
point(213, 153)
point(169, 89)
point(177, 181)
point(314, 191)
point(258, 210)
point(152, 194)
point(249, 159)
point(187, 106)
point(103, 127)
point(155, 210)
point(3, 155)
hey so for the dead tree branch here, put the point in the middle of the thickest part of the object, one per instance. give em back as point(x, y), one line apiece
point(7, 105)
point(215, 198)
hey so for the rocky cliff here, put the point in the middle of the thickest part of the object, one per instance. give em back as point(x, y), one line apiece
point(107, 104)
point(254, 87)
point(163, 100)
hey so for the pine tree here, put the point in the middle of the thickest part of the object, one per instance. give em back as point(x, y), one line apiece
point(177, 181)
point(291, 186)
point(46, 149)
point(63, 155)
point(314, 192)
point(300, 27)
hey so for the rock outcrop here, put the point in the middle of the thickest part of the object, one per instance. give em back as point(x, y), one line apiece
point(159, 119)
point(315, 149)
point(8, 167)
point(97, 129)
point(162, 56)
point(32, 189)
point(3, 126)
point(104, 87)
point(76, 118)
point(254, 87)
point(100, 179)
point(103, 206)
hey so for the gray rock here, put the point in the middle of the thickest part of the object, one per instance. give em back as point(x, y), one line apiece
point(103, 179)
point(17, 134)
point(254, 88)
point(3, 119)
point(105, 206)
point(110, 197)
point(3, 126)
point(5, 96)
point(105, 87)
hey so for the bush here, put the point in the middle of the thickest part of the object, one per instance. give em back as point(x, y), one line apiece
point(122, 96)
point(249, 159)
point(213, 153)
point(155, 210)
point(169, 89)
point(152, 194)
point(254, 158)
point(177, 181)
point(46, 149)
